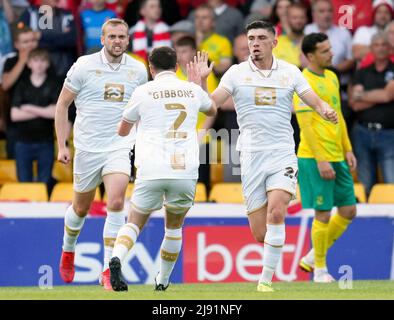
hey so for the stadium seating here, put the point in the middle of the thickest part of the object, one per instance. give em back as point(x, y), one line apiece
point(201, 193)
point(3, 149)
point(24, 191)
point(226, 193)
point(8, 171)
point(63, 192)
point(359, 191)
point(382, 193)
point(61, 172)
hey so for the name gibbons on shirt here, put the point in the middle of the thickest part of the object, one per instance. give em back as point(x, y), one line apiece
point(172, 94)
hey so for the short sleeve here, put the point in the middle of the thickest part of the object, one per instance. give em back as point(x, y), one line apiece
point(300, 105)
point(132, 111)
point(301, 85)
point(143, 75)
point(9, 64)
point(18, 95)
point(74, 78)
point(205, 100)
point(227, 82)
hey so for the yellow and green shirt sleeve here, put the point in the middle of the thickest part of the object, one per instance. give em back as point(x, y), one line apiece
point(321, 139)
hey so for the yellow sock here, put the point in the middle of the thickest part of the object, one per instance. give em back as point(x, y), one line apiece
point(319, 241)
point(336, 226)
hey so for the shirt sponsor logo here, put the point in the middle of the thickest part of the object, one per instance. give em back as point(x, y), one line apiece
point(114, 92)
point(265, 96)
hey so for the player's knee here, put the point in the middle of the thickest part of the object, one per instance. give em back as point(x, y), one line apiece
point(81, 209)
point(115, 204)
point(276, 214)
point(351, 213)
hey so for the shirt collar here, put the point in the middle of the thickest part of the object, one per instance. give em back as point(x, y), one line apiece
point(255, 68)
point(105, 60)
point(165, 74)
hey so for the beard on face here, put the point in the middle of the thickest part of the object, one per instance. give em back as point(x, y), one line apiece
point(114, 54)
point(297, 31)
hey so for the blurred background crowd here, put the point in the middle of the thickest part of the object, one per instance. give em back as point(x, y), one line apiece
point(36, 53)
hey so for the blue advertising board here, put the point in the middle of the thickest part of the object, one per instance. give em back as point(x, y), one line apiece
point(29, 246)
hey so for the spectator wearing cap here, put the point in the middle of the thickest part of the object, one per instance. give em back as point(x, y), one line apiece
point(181, 29)
point(383, 13)
point(372, 99)
point(149, 32)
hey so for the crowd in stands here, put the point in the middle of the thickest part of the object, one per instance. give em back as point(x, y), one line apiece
point(40, 40)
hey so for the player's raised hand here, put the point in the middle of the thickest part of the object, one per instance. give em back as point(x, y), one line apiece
point(64, 156)
point(201, 59)
point(193, 73)
point(328, 113)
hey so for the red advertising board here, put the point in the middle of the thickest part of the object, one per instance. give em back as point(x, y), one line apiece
point(230, 254)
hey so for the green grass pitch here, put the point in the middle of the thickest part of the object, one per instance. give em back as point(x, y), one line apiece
point(223, 291)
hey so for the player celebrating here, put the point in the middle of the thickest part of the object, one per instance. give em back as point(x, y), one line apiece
point(100, 84)
point(167, 160)
point(262, 89)
point(324, 175)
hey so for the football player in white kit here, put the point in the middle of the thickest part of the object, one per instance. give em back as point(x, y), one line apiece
point(100, 84)
point(167, 160)
point(262, 89)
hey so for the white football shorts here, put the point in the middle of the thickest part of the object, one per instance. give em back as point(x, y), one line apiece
point(264, 171)
point(90, 167)
point(176, 194)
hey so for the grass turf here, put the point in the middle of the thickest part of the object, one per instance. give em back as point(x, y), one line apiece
point(218, 291)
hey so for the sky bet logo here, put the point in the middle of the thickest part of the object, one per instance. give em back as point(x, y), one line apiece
point(230, 254)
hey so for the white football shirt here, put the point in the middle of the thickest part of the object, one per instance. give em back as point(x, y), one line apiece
point(263, 101)
point(103, 90)
point(166, 110)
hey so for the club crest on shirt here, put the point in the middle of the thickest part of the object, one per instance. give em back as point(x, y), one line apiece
point(131, 75)
point(265, 96)
point(284, 80)
point(248, 80)
point(98, 73)
point(114, 92)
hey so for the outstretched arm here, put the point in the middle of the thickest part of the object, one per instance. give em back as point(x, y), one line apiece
point(321, 107)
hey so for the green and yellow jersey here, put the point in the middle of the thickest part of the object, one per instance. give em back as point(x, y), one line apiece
point(288, 50)
point(218, 48)
point(322, 139)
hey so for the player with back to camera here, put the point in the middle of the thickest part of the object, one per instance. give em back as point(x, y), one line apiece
point(167, 160)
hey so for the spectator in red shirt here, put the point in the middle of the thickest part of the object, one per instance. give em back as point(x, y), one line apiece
point(150, 32)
